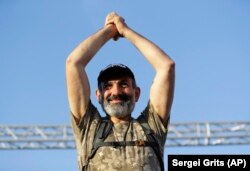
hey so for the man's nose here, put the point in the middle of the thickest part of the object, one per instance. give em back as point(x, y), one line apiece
point(116, 89)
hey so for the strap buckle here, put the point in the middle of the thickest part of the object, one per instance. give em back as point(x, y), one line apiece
point(140, 142)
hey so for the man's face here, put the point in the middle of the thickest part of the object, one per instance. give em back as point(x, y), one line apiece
point(118, 97)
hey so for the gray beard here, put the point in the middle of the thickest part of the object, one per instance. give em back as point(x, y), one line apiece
point(119, 110)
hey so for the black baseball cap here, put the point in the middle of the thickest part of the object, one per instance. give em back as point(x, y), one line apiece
point(114, 71)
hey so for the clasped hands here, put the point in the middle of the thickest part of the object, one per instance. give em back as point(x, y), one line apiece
point(118, 22)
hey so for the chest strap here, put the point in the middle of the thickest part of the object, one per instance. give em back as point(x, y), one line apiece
point(105, 128)
point(126, 143)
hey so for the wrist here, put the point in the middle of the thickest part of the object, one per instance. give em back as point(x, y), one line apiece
point(126, 32)
point(110, 31)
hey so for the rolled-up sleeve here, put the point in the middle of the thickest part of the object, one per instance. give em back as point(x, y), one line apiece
point(84, 131)
point(155, 123)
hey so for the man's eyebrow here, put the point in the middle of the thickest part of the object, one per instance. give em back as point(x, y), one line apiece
point(117, 80)
point(122, 80)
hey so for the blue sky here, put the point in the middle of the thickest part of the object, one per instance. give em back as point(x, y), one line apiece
point(209, 41)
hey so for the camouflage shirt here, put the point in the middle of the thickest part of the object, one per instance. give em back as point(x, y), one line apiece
point(129, 158)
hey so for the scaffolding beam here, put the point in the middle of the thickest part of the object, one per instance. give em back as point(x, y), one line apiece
point(17, 137)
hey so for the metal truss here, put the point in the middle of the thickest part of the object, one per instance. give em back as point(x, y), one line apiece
point(180, 134)
point(209, 134)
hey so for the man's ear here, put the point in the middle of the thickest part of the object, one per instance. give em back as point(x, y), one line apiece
point(98, 95)
point(137, 93)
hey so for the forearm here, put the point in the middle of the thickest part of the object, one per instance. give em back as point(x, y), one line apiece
point(84, 52)
point(155, 56)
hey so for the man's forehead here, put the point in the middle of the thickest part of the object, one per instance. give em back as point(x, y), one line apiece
point(119, 79)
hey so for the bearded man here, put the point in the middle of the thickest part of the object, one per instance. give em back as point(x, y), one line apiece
point(127, 145)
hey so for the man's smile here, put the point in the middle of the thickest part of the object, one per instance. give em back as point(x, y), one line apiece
point(118, 98)
point(115, 101)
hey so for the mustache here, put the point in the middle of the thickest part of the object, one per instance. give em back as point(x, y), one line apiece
point(123, 97)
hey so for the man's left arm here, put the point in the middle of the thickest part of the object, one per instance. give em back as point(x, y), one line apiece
point(162, 88)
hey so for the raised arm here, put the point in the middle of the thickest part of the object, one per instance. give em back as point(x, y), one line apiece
point(162, 88)
point(77, 81)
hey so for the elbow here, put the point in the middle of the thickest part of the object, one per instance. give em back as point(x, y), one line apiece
point(69, 64)
point(170, 66)
point(69, 61)
point(169, 69)
point(166, 67)
point(72, 62)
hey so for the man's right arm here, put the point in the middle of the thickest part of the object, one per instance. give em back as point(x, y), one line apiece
point(76, 78)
